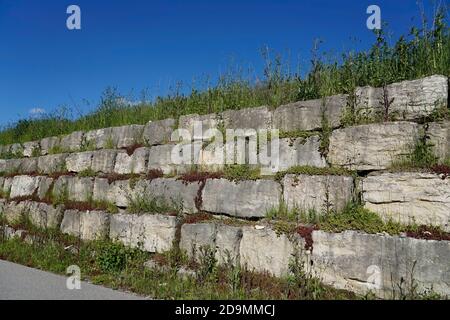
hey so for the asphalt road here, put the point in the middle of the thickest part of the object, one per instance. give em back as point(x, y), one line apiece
point(23, 283)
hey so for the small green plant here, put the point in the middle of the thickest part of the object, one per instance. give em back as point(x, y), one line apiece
point(87, 173)
point(113, 257)
point(241, 172)
point(56, 150)
point(109, 144)
point(421, 156)
point(207, 263)
point(355, 217)
point(141, 204)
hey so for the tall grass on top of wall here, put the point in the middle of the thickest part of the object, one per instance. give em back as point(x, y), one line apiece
point(421, 53)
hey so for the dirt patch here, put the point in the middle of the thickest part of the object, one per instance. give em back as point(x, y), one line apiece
point(428, 233)
point(199, 177)
point(131, 149)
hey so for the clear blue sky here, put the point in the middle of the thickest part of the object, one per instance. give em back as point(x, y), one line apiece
point(135, 44)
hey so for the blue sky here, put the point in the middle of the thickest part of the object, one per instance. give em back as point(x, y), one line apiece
point(135, 45)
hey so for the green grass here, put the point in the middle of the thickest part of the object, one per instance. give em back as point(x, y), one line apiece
point(420, 53)
point(241, 172)
point(143, 203)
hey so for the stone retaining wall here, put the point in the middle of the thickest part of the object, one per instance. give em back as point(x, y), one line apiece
point(94, 168)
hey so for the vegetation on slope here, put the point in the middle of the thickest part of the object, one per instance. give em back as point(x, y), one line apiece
point(422, 52)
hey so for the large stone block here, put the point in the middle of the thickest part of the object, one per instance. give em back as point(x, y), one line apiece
point(79, 162)
point(80, 189)
point(247, 199)
point(45, 216)
point(136, 163)
point(24, 186)
point(319, 193)
point(127, 136)
point(265, 251)
point(439, 133)
point(52, 163)
point(295, 152)
point(421, 198)
point(409, 100)
point(72, 142)
point(14, 211)
point(250, 118)
point(104, 161)
point(379, 263)
point(31, 149)
point(158, 132)
point(99, 139)
point(198, 125)
point(196, 238)
point(152, 233)
point(308, 115)
point(228, 242)
point(373, 146)
point(49, 144)
point(178, 193)
point(88, 225)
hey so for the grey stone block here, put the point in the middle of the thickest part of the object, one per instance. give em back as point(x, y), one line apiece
point(409, 197)
point(104, 161)
point(249, 199)
point(265, 251)
point(251, 118)
point(79, 162)
point(322, 194)
point(72, 142)
point(373, 146)
point(158, 132)
point(307, 115)
point(52, 163)
point(196, 238)
point(363, 262)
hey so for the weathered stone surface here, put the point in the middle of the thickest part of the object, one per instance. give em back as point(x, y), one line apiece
point(373, 146)
point(47, 144)
point(422, 198)
point(3, 165)
point(127, 136)
point(17, 150)
point(411, 100)
point(356, 261)
point(80, 189)
point(30, 147)
point(24, 186)
point(264, 250)
point(228, 242)
point(15, 211)
point(79, 162)
point(158, 132)
point(99, 139)
point(6, 185)
point(136, 163)
point(181, 194)
point(241, 199)
point(192, 124)
point(45, 216)
point(88, 225)
point(439, 133)
point(152, 233)
point(319, 193)
point(104, 161)
point(295, 152)
point(52, 163)
point(160, 158)
point(308, 115)
point(251, 118)
point(45, 185)
point(101, 190)
point(72, 142)
point(196, 238)
point(23, 165)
